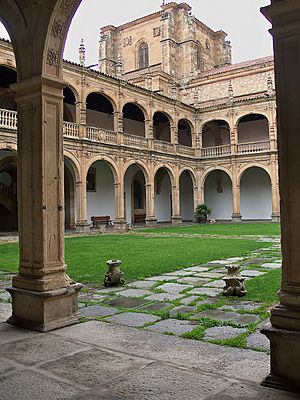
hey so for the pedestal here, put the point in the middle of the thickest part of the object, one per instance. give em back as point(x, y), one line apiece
point(236, 217)
point(176, 220)
point(44, 311)
point(82, 227)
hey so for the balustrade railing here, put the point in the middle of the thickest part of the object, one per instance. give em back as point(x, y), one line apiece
point(70, 129)
point(135, 141)
point(101, 135)
point(8, 119)
point(216, 151)
point(253, 147)
point(166, 147)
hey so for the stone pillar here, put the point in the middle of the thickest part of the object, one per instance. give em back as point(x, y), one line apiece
point(82, 224)
point(275, 190)
point(149, 133)
point(118, 126)
point(43, 297)
point(120, 222)
point(284, 327)
point(150, 215)
point(236, 199)
point(174, 137)
point(176, 217)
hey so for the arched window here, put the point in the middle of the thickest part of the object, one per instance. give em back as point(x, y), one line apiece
point(143, 54)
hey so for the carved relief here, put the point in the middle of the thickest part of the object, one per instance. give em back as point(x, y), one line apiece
point(156, 31)
point(53, 58)
point(127, 41)
point(57, 29)
point(67, 5)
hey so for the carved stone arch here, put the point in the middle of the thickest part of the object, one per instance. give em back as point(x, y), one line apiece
point(58, 26)
point(75, 164)
point(206, 121)
point(167, 114)
point(75, 91)
point(209, 170)
point(188, 120)
point(169, 171)
point(252, 165)
point(102, 93)
point(8, 146)
point(191, 173)
point(252, 112)
point(110, 162)
point(137, 104)
point(143, 167)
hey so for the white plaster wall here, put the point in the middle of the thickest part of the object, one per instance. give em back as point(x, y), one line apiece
point(256, 194)
point(221, 203)
point(99, 119)
point(186, 197)
point(253, 131)
point(102, 202)
point(162, 201)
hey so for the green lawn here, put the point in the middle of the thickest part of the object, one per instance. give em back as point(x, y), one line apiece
point(265, 229)
point(141, 256)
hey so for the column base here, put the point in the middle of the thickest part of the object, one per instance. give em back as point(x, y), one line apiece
point(285, 360)
point(176, 220)
point(120, 225)
point(275, 217)
point(151, 221)
point(44, 311)
point(236, 217)
point(82, 227)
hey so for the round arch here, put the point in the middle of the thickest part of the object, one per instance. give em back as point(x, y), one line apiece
point(218, 196)
point(222, 118)
point(75, 164)
point(256, 193)
point(215, 133)
point(8, 146)
point(246, 114)
point(143, 167)
point(169, 171)
point(209, 170)
point(184, 128)
point(166, 114)
point(192, 175)
point(138, 105)
point(103, 94)
point(252, 165)
point(186, 187)
point(109, 161)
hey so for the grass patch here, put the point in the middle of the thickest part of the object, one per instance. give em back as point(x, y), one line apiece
point(240, 229)
point(141, 256)
point(264, 288)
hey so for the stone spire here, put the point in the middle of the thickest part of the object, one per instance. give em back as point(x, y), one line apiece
point(230, 93)
point(119, 69)
point(82, 54)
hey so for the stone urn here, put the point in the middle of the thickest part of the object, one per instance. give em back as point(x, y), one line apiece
point(234, 282)
point(114, 276)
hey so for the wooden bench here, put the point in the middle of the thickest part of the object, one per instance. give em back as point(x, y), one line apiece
point(139, 217)
point(101, 220)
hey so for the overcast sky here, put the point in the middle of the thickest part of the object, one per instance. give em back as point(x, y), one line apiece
point(246, 27)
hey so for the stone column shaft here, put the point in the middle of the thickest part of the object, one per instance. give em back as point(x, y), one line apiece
point(42, 283)
point(150, 217)
point(176, 217)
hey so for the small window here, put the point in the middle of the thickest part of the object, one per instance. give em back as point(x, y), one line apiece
point(198, 59)
point(91, 180)
point(143, 54)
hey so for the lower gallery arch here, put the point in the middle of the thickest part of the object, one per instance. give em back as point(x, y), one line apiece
point(70, 193)
point(186, 193)
point(8, 191)
point(218, 195)
point(134, 194)
point(256, 194)
point(162, 196)
point(100, 190)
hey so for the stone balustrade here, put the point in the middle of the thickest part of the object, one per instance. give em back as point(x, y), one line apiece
point(8, 121)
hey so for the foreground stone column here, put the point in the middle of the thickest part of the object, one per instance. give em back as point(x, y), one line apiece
point(82, 224)
point(284, 328)
point(42, 296)
point(176, 217)
point(150, 215)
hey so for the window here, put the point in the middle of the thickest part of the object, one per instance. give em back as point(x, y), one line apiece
point(198, 59)
point(143, 56)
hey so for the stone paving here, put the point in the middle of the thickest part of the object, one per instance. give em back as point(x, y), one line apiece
point(186, 302)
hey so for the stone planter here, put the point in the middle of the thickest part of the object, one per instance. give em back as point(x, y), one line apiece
point(114, 276)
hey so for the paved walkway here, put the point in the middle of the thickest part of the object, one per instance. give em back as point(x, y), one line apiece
point(137, 342)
